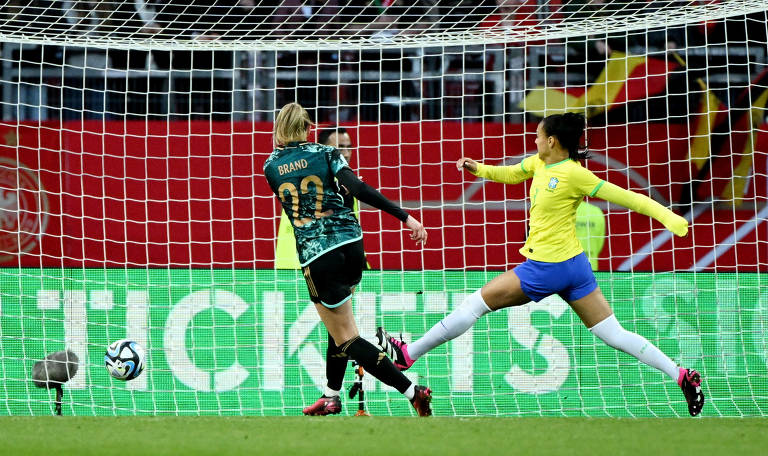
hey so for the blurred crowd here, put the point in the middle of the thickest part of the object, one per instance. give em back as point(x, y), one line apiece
point(575, 60)
point(227, 19)
point(275, 19)
point(212, 19)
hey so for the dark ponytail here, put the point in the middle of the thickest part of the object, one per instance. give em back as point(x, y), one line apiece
point(568, 129)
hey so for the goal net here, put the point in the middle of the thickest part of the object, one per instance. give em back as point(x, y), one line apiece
point(133, 202)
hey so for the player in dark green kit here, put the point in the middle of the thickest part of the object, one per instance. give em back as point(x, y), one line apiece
point(330, 247)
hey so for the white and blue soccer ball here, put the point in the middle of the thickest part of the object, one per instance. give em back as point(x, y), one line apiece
point(124, 359)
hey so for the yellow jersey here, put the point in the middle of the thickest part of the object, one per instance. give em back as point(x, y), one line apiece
point(555, 193)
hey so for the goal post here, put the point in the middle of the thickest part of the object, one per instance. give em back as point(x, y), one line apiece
point(133, 202)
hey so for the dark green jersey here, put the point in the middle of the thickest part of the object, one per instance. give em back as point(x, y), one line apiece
point(302, 177)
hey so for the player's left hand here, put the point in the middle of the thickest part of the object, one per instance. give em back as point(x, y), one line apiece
point(677, 225)
point(418, 233)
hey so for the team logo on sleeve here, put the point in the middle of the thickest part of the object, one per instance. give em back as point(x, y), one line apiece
point(552, 183)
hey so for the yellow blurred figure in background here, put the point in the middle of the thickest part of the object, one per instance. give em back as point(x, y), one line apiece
point(590, 230)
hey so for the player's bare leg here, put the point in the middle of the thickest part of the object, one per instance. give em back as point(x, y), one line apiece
point(339, 321)
point(504, 291)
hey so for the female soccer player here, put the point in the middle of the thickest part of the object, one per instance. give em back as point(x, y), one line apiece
point(556, 263)
point(329, 242)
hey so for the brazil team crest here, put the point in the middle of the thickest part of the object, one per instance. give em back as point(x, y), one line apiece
point(553, 183)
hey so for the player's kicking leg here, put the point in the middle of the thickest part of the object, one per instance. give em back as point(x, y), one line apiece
point(373, 361)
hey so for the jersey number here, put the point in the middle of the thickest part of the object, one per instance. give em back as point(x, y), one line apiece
point(288, 190)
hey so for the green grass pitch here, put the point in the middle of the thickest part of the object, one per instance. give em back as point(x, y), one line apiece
point(367, 436)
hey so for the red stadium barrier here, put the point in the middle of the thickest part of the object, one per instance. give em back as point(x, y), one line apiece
point(192, 194)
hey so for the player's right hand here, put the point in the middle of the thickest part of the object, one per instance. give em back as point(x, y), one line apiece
point(418, 233)
point(467, 163)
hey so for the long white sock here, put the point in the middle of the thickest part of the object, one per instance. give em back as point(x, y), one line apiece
point(328, 392)
point(450, 327)
point(614, 335)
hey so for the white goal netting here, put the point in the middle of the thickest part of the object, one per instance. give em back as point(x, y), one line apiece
point(133, 202)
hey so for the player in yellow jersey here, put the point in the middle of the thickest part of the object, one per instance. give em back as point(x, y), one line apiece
point(556, 262)
point(590, 231)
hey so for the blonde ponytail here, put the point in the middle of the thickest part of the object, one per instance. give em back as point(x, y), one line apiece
point(291, 124)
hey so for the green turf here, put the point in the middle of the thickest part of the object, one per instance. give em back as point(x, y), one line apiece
point(380, 435)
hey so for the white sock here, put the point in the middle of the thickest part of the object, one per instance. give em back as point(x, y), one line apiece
point(328, 392)
point(611, 332)
point(450, 327)
point(410, 392)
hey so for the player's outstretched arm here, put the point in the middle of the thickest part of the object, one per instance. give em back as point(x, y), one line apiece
point(369, 195)
point(643, 205)
point(505, 174)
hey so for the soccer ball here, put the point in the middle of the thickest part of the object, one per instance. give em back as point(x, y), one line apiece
point(124, 359)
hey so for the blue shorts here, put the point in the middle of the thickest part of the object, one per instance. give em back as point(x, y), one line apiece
point(572, 279)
